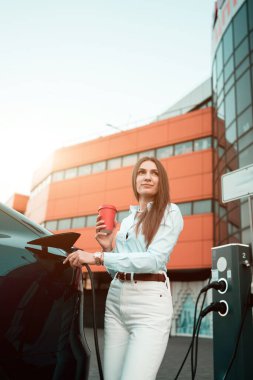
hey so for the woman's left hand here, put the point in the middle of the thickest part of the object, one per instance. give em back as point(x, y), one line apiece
point(78, 258)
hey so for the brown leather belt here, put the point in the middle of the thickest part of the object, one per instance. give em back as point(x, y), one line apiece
point(141, 276)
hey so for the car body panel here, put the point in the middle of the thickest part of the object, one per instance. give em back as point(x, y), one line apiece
point(41, 306)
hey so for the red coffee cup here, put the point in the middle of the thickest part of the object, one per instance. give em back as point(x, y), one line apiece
point(107, 213)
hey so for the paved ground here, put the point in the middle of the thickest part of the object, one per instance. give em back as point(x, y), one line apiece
point(176, 350)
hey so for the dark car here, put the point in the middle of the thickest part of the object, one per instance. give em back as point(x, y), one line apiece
point(41, 303)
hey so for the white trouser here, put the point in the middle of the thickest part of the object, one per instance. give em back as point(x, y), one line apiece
point(137, 324)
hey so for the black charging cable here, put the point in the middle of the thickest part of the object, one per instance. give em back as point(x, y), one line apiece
point(195, 324)
point(95, 333)
point(196, 327)
point(218, 285)
point(94, 322)
point(195, 362)
point(220, 307)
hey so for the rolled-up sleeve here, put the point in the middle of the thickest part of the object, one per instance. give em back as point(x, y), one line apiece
point(156, 256)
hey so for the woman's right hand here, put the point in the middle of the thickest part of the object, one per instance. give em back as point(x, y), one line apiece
point(104, 239)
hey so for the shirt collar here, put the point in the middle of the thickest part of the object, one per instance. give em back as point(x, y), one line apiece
point(135, 208)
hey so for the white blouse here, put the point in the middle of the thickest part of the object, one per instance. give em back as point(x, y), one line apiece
point(130, 253)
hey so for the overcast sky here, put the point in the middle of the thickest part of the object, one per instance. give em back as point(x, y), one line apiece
point(68, 68)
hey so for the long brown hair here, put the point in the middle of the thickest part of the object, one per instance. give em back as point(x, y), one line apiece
point(150, 219)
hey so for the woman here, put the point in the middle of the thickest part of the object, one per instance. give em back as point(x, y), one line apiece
point(138, 306)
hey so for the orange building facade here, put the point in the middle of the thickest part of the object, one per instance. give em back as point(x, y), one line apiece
point(18, 202)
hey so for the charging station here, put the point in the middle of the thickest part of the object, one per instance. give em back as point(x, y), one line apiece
point(231, 263)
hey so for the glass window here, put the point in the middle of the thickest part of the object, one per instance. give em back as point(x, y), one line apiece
point(233, 164)
point(246, 236)
point(78, 222)
point(231, 133)
point(221, 151)
point(245, 157)
point(98, 167)
point(121, 215)
point(220, 111)
point(230, 228)
point(204, 143)
point(214, 74)
point(251, 40)
point(241, 52)
point(147, 153)
point(166, 151)
point(114, 163)
point(220, 84)
point(252, 77)
point(64, 224)
point(219, 59)
point(231, 156)
point(84, 170)
point(250, 14)
point(244, 122)
point(216, 207)
point(201, 207)
point(230, 106)
point(246, 140)
point(240, 25)
point(235, 230)
point(51, 225)
point(70, 173)
point(220, 98)
point(214, 96)
point(243, 67)
point(228, 43)
point(229, 83)
point(244, 213)
point(91, 220)
point(182, 148)
point(129, 160)
point(228, 69)
point(185, 208)
point(243, 95)
point(222, 212)
point(58, 176)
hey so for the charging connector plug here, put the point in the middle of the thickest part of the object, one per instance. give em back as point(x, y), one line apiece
point(220, 285)
point(220, 307)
